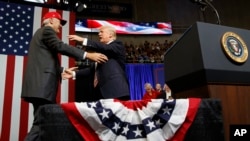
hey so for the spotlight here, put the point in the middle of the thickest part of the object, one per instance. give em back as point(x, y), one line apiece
point(85, 5)
point(66, 2)
point(80, 6)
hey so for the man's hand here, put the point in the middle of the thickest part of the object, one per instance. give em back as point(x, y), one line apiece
point(97, 57)
point(75, 38)
point(68, 73)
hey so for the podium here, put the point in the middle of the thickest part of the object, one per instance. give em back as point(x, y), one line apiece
point(199, 65)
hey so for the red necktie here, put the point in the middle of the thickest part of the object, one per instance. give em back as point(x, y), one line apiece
point(95, 80)
point(95, 77)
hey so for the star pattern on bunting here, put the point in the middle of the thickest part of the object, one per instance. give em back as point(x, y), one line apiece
point(116, 126)
point(138, 132)
point(158, 122)
point(92, 104)
point(125, 130)
point(151, 125)
point(128, 129)
point(104, 114)
point(166, 110)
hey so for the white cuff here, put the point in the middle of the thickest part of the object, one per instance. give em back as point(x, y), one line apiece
point(84, 55)
point(85, 40)
point(74, 75)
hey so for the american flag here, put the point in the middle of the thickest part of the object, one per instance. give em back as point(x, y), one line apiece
point(144, 120)
point(122, 27)
point(17, 25)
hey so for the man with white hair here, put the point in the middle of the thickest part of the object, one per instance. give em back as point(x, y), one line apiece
point(158, 87)
point(165, 93)
point(111, 80)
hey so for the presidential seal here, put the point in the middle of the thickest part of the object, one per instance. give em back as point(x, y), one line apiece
point(234, 47)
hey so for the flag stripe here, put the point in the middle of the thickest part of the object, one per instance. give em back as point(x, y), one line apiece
point(8, 94)
point(3, 60)
point(16, 101)
point(193, 106)
point(24, 111)
point(71, 28)
point(64, 59)
point(64, 89)
point(38, 19)
point(71, 85)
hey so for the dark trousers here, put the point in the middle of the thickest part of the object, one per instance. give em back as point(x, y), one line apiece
point(33, 134)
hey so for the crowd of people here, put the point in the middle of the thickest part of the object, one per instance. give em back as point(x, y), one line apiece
point(147, 52)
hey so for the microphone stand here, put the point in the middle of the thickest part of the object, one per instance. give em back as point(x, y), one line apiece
point(214, 9)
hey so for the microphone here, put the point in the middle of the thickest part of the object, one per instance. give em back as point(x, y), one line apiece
point(202, 3)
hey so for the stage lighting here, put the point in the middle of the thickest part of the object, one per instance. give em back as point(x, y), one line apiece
point(66, 2)
point(80, 6)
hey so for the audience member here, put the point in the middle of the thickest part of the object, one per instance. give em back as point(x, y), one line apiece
point(166, 93)
point(158, 88)
point(150, 92)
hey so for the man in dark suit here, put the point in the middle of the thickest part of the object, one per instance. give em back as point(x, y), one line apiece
point(43, 72)
point(112, 80)
point(165, 93)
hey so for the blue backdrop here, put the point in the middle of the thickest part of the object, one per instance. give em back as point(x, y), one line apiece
point(139, 74)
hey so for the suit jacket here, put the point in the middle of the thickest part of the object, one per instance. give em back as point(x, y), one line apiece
point(85, 83)
point(162, 95)
point(112, 79)
point(43, 71)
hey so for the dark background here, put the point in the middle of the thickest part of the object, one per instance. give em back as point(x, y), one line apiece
point(181, 13)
